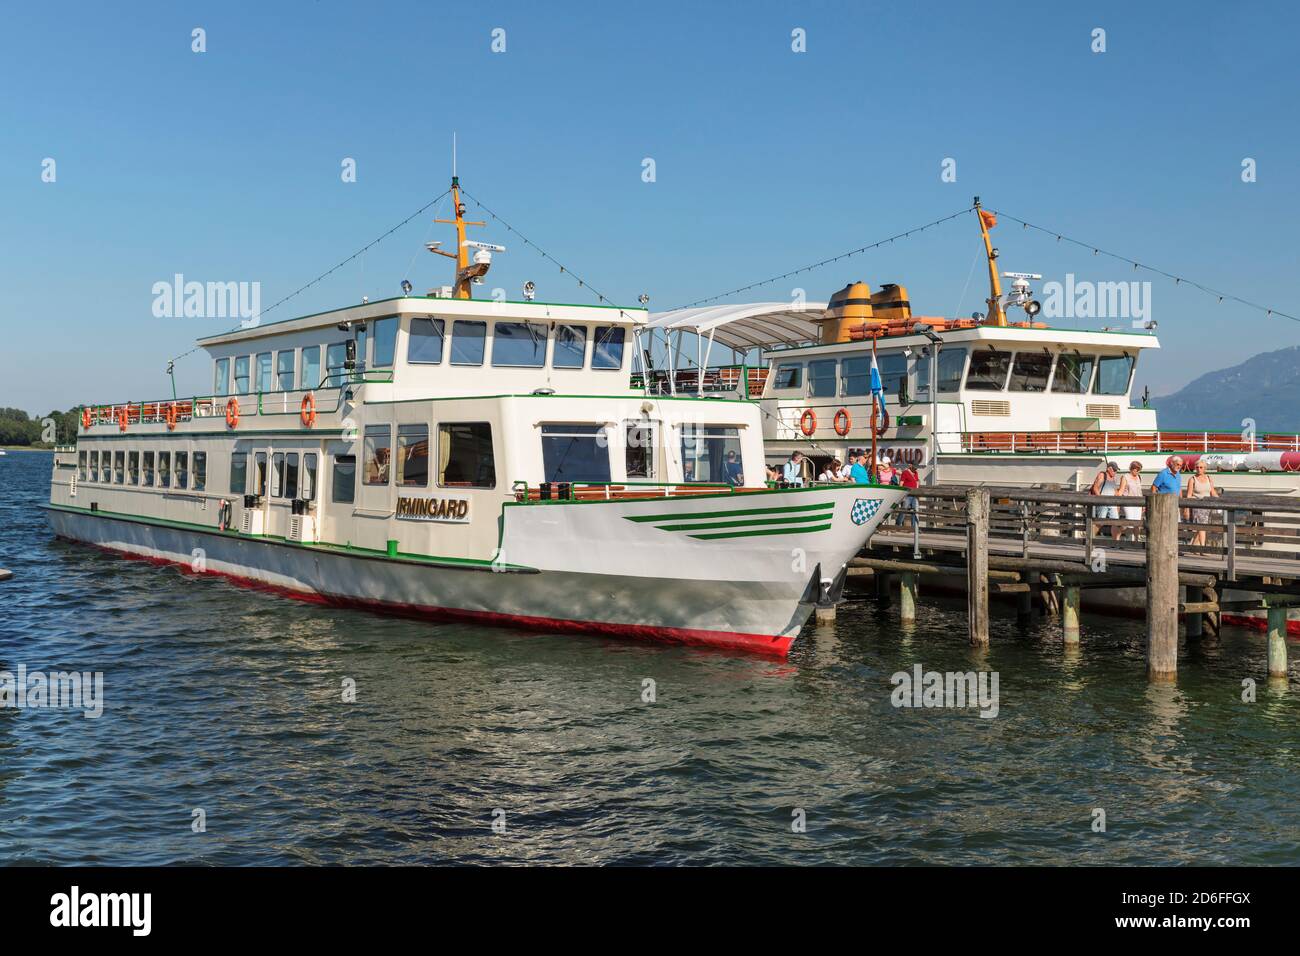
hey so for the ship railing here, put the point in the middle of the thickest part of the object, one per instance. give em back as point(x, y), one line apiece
point(1119, 441)
point(745, 380)
point(552, 491)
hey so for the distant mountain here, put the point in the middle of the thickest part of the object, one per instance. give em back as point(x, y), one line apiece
point(1265, 388)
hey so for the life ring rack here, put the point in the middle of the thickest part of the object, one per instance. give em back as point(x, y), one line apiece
point(308, 411)
point(808, 422)
point(232, 412)
point(843, 422)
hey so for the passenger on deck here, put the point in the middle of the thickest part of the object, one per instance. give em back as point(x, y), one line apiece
point(793, 472)
point(860, 473)
point(885, 473)
point(834, 472)
point(910, 480)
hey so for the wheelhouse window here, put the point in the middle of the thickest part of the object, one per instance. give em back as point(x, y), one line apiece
point(570, 347)
point(988, 370)
point(238, 472)
point(182, 470)
point(424, 345)
point(164, 469)
point(284, 370)
point(309, 367)
point(263, 372)
point(821, 378)
point(640, 456)
point(385, 346)
point(221, 377)
point(360, 337)
point(335, 356)
point(575, 453)
point(1113, 373)
point(133, 467)
point(345, 479)
point(1073, 373)
point(241, 375)
point(309, 476)
point(467, 342)
point(146, 474)
point(200, 471)
point(1030, 371)
point(789, 376)
point(465, 453)
point(711, 453)
point(413, 456)
point(378, 448)
point(119, 466)
point(519, 344)
point(607, 352)
point(952, 362)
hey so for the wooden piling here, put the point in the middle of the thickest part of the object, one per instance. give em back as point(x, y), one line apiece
point(1162, 586)
point(1277, 641)
point(1192, 620)
point(1070, 616)
point(977, 565)
point(907, 598)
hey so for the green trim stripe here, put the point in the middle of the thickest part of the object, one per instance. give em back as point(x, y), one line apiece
point(731, 513)
point(745, 522)
point(751, 534)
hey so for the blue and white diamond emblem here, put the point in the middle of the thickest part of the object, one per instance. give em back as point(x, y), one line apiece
point(864, 509)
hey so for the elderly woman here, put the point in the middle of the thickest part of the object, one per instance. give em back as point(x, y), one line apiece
point(1130, 486)
point(1201, 485)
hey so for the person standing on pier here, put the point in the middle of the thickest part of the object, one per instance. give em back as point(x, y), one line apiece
point(1130, 486)
point(1201, 485)
point(1107, 483)
point(1168, 482)
point(911, 480)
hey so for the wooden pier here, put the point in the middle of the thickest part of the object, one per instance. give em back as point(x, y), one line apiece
point(1050, 547)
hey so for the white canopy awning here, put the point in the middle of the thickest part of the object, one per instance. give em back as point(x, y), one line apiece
point(744, 326)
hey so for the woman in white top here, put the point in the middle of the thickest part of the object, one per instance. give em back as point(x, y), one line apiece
point(1130, 486)
point(1201, 485)
point(834, 471)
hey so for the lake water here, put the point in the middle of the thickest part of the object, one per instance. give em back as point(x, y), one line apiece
point(230, 701)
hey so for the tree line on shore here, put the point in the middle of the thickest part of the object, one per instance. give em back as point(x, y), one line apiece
point(20, 429)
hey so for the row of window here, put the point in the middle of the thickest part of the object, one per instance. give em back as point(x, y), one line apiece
point(282, 474)
point(990, 370)
point(514, 345)
point(145, 468)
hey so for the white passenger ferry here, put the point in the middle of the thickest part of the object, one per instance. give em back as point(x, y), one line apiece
point(486, 461)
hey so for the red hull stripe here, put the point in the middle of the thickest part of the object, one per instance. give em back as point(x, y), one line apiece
point(1259, 623)
point(725, 640)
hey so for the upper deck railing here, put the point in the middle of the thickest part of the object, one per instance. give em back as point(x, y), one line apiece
point(1119, 441)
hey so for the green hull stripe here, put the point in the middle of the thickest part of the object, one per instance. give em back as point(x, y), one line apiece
point(679, 516)
point(742, 523)
point(750, 534)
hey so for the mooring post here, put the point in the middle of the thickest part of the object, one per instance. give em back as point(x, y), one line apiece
point(977, 565)
point(907, 598)
point(1162, 586)
point(1193, 621)
point(1277, 641)
point(1070, 615)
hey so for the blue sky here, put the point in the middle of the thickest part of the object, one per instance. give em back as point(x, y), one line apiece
point(225, 165)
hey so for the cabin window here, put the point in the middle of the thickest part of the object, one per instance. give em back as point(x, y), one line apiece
point(345, 479)
point(413, 456)
point(711, 453)
point(263, 372)
point(335, 357)
point(241, 375)
point(952, 362)
point(309, 368)
point(570, 347)
point(575, 453)
point(988, 370)
point(290, 480)
point(467, 338)
point(81, 465)
point(385, 342)
point(893, 372)
point(519, 344)
point(182, 470)
point(789, 376)
point(1113, 375)
point(259, 474)
point(856, 376)
point(164, 469)
point(424, 344)
point(359, 336)
point(308, 476)
point(200, 471)
point(640, 450)
point(94, 466)
point(379, 441)
point(1073, 373)
point(277, 475)
point(608, 350)
point(1030, 371)
point(238, 472)
point(821, 378)
point(119, 466)
point(221, 377)
point(146, 476)
point(465, 455)
point(133, 467)
point(284, 370)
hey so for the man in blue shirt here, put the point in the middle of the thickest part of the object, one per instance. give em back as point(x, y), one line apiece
point(731, 470)
point(1167, 482)
point(859, 472)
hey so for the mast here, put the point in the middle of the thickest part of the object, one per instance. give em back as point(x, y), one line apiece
point(996, 314)
point(463, 284)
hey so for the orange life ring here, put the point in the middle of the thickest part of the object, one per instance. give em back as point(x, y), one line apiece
point(232, 413)
point(85, 418)
point(122, 419)
point(808, 421)
point(843, 422)
point(308, 413)
point(170, 415)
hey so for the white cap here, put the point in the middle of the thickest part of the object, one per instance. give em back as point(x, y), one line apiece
point(885, 460)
